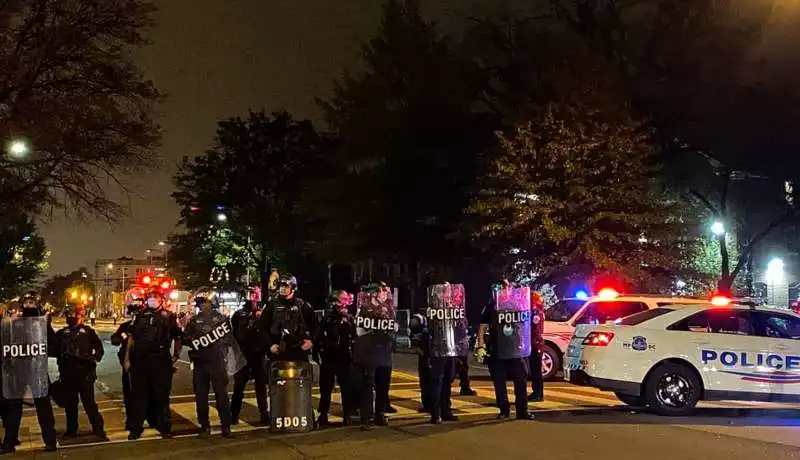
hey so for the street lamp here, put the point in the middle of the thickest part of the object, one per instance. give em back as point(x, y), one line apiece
point(718, 228)
point(110, 266)
point(18, 148)
point(161, 243)
point(222, 217)
point(774, 275)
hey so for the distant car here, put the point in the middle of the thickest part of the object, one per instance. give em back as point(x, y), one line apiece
point(562, 318)
point(671, 357)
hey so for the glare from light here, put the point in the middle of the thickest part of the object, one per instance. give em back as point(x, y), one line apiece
point(173, 295)
point(718, 228)
point(18, 149)
point(74, 295)
point(607, 293)
point(110, 266)
point(161, 243)
point(720, 301)
point(775, 271)
point(581, 295)
point(222, 217)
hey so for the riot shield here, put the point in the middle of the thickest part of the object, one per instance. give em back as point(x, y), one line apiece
point(376, 326)
point(447, 320)
point(513, 326)
point(24, 352)
point(213, 344)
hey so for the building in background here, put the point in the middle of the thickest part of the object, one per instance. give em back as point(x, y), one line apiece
point(114, 277)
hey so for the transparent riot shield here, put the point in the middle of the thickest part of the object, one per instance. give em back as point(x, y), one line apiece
point(447, 320)
point(24, 353)
point(212, 341)
point(513, 327)
point(376, 313)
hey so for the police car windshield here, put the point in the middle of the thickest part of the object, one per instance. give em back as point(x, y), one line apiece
point(563, 310)
point(638, 318)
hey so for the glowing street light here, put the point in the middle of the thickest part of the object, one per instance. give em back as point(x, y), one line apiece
point(161, 243)
point(775, 270)
point(110, 266)
point(18, 148)
point(222, 217)
point(718, 228)
point(73, 295)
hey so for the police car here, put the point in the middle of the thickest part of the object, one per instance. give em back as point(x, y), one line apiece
point(671, 357)
point(562, 318)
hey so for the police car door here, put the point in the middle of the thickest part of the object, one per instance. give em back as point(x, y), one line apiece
point(724, 344)
point(782, 331)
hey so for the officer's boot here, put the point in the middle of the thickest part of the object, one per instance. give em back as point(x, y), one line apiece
point(322, 421)
point(380, 419)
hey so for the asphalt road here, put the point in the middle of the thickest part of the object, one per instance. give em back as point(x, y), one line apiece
point(571, 423)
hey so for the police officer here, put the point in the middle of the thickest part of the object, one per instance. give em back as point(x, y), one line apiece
point(509, 347)
point(78, 350)
point(209, 335)
point(333, 349)
point(420, 343)
point(120, 339)
point(537, 347)
point(148, 359)
point(246, 330)
point(372, 352)
point(44, 408)
point(446, 327)
point(288, 324)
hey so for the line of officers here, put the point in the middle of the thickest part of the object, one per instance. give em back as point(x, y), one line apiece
point(353, 346)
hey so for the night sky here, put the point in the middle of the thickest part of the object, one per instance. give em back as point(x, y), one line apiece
point(215, 59)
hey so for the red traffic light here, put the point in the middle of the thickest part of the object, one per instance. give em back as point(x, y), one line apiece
point(165, 285)
point(146, 279)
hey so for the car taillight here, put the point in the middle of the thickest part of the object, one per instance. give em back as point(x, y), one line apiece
point(598, 339)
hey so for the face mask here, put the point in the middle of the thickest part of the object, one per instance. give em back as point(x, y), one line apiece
point(72, 321)
point(153, 303)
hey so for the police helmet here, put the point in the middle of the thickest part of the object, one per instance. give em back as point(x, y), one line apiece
point(201, 299)
point(376, 287)
point(290, 281)
point(30, 295)
point(340, 297)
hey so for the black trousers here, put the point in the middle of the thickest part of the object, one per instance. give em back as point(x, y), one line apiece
point(203, 379)
point(127, 400)
point(151, 379)
point(515, 369)
point(462, 371)
point(383, 380)
point(372, 379)
point(13, 417)
point(424, 372)
point(442, 371)
point(83, 389)
point(335, 369)
point(537, 384)
point(254, 370)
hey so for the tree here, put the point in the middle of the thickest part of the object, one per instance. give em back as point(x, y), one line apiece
point(23, 255)
point(700, 72)
point(572, 187)
point(410, 147)
point(75, 112)
point(255, 174)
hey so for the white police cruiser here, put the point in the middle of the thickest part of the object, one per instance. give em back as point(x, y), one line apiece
point(671, 357)
point(562, 318)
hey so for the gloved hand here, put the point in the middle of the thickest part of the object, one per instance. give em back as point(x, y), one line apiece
point(480, 354)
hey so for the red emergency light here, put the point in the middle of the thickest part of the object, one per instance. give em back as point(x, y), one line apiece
point(720, 301)
point(146, 280)
point(607, 293)
point(165, 285)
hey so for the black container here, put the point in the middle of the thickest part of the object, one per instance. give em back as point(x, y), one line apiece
point(290, 401)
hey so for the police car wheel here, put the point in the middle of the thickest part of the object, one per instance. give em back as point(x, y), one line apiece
point(672, 389)
point(630, 400)
point(551, 363)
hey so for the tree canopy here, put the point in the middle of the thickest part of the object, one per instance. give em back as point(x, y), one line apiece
point(75, 111)
point(23, 255)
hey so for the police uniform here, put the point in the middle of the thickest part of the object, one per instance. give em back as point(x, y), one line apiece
point(333, 349)
point(420, 342)
point(152, 332)
point(287, 323)
point(537, 348)
point(372, 353)
point(79, 349)
point(246, 330)
point(509, 347)
point(210, 337)
point(12, 416)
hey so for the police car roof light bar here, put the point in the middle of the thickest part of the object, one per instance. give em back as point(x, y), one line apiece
point(607, 294)
point(720, 301)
